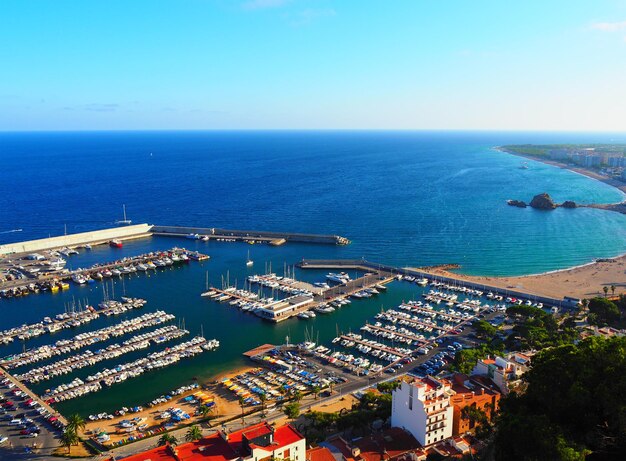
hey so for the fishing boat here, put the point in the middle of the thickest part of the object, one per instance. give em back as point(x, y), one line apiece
point(115, 243)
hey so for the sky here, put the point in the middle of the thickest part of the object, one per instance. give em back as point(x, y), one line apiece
point(313, 64)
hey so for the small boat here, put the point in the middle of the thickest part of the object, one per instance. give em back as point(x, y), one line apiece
point(124, 222)
point(115, 243)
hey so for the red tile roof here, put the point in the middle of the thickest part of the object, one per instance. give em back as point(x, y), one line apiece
point(319, 454)
point(215, 448)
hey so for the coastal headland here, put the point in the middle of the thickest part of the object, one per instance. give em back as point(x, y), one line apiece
point(540, 154)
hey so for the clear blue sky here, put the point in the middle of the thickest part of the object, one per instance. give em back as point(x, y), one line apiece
point(215, 64)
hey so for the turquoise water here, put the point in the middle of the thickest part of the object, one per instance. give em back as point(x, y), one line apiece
point(402, 198)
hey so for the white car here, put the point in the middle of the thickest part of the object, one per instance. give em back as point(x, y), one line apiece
point(3, 438)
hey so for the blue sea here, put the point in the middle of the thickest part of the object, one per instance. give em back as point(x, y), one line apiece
point(410, 198)
point(406, 198)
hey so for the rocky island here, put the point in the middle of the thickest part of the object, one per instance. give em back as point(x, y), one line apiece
point(542, 202)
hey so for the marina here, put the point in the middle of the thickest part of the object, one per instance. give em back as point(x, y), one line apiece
point(36, 282)
point(154, 361)
point(328, 295)
point(69, 319)
point(85, 339)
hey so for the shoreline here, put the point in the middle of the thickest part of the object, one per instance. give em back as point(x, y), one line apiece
point(619, 207)
point(582, 281)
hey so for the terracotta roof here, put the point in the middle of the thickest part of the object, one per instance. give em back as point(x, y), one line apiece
point(392, 444)
point(215, 448)
point(319, 454)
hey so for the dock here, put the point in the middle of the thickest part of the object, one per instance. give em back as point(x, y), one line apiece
point(19, 287)
point(269, 237)
point(380, 347)
point(364, 265)
point(394, 332)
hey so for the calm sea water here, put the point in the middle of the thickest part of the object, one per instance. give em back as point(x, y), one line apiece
point(402, 198)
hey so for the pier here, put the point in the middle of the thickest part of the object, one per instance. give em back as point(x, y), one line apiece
point(364, 265)
point(380, 347)
point(394, 332)
point(213, 233)
point(67, 320)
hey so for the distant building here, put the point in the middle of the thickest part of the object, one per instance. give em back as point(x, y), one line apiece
point(504, 372)
point(422, 407)
point(617, 161)
point(477, 392)
point(559, 154)
point(253, 443)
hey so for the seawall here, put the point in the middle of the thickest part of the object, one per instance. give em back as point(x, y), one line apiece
point(83, 238)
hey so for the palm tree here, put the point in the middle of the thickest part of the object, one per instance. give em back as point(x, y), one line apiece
point(167, 438)
point(613, 290)
point(194, 433)
point(69, 438)
point(297, 395)
point(75, 423)
point(242, 404)
point(263, 399)
point(316, 391)
point(204, 410)
point(606, 290)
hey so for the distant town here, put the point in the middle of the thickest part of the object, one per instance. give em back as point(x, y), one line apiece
point(609, 160)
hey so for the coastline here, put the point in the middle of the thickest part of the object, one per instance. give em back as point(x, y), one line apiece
point(582, 281)
point(619, 207)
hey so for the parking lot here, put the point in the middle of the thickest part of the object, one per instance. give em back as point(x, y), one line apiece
point(26, 428)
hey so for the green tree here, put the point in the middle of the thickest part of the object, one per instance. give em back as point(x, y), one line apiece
point(606, 312)
point(167, 438)
point(484, 329)
point(565, 382)
point(193, 433)
point(205, 411)
point(75, 423)
point(316, 391)
point(474, 415)
point(292, 410)
point(242, 404)
point(69, 438)
point(297, 395)
point(263, 399)
point(388, 387)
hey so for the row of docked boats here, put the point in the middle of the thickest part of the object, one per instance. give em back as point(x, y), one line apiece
point(72, 318)
point(112, 351)
point(276, 282)
point(121, 373)
point(53, 286)
point(65, 346)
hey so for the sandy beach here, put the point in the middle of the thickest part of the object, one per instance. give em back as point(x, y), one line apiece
point(579, 282)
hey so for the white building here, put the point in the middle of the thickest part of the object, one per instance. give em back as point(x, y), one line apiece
point(503, 371)
point(422, 407)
